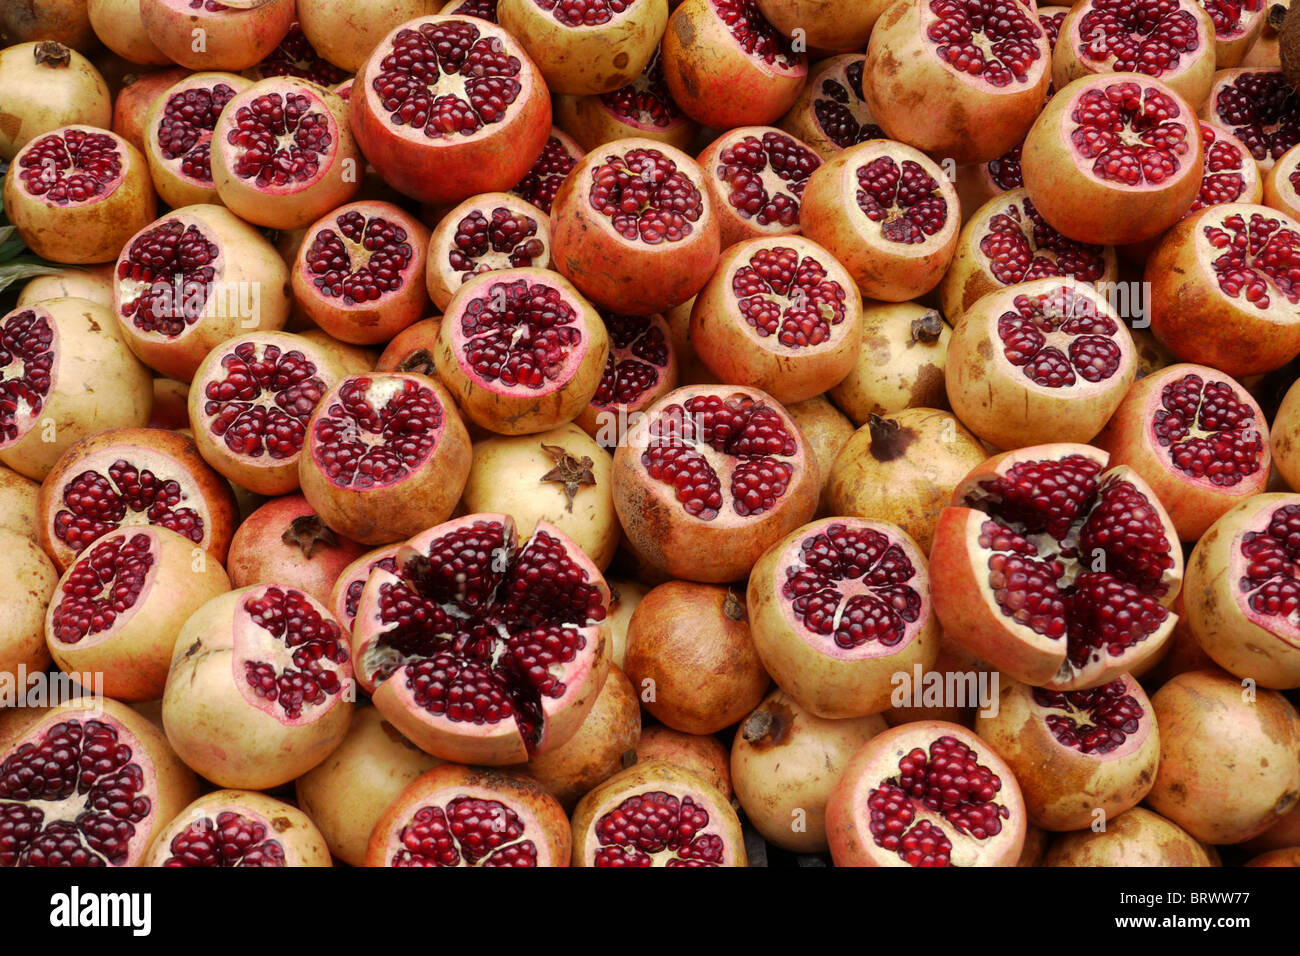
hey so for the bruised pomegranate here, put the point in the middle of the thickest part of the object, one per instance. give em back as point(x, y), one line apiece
point(1055, 570)
point(67, 21)
point(44, 85)
point(830, 114)
point(485, 233)
point(641, 368)
point(234, 36)
point(1259, 107)
point(239, 828)
point(178, 136)
point(1137, 837)
point(32, 583)
point(411, 349)
point(900, 364)
point(642, 109)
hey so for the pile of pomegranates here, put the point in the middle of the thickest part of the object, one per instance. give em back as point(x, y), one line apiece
point(613, 433)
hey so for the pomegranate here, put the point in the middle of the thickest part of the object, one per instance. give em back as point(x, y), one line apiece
point(641, 109)
point(539, 186)
point(1113, 158)
point(65, 373)
point(449, 107)
point(124, 477)
point(192, 279)
point(701, 754)
point(785, 761)
point(641, 368)
point(1266, 50)
point(521, 350)
point(692, 658)
point(1079, 756)
point(485, 233)
point(77, 194)
point(832, 27)
point(208, 35)
point(633, 227)
point(903, 470)
point(1282, 184)
point(958, 80)
point(827, 432)
point(347, 793)
point(1236, 26)
point(120, 27)
point(779, 314)
point(463, 816)
point(1285, 857)
point(483, 9)
point(366, 25)
point(1198, 439)
point(561, 476)
point(93, 282)
point(1056, 571)
point(411, 350)
point(1223, 289)
point(1259, 107)
point(926, 794)
point(1172, 42)
point(354, 359)
point(171, 405)
point(17, 503)
point(830, 114)
point(132, 105)
point(1039, 361)
point(624, 596)
point(121, 603)
point(1229, 757)
point(67, 21)
point(1285, 438)
point(481, 648)
point(888, 213)
point(1279, 836)
point(670, 475)
point(33, 581)
point(901, 363)
point(726, 66)
point(345, 595)
point(239, 828)
point(1231, 173)
point(1137, 837)
point(1005, 242)
point(655, 814)
point(45, 86)
point(295, 56)
point(88, 784)
point(178, 132)
point(385, 456)
point(260, 688)
point(949, 691)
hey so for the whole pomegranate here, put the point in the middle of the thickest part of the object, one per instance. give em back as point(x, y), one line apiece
point(702, 754)
point(833, 27)
point(235, 36)
point(91, 282)
point(624, 595)
point(1285, 438)
point(34, 582)
point(44, 85)
point(239, 828)
point(366, 25)
point(1137, 837)
point(827, 432)
point(900, 364)
point(67, 21)
point(18, 497)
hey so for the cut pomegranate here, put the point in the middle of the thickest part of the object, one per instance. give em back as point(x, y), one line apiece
point(560, 154)
point(641, 368)
point(642, 109)
point(830, 114)
point(1231, 173)
point(1281, 184)
point(1237, 23)
point(1259, 107)
point(178, 136)
point(295, 56)
point(755, 176)
point(485, 233)
point(1056, 571)
point(839, 608)
point(239, 828)
point(345, 596)
point(483, 9)
point(481, 649)
point(235, 36)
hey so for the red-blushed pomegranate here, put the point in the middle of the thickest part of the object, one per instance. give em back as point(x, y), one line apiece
point(709, 478)
point(1282, 184)
point(1259, 107)
point(1266, 50)
point(283, 154)
point(785, 761)
point(90, 282)
point(839, 607)
point(643, 109)
point(755, 176)
point(67, 21)
point(171, 405)
point(900, 364)
point(641, 368)
point(359, 273)
point(133, 103)
point(295, 56)
point(1242, 598)
point(1135, 838)
point(830, 114)
point(586, 47)
point(561, 476)
point(1005, 242)
point(959, 80)
point(178, 136)
point(692, 658)
point(726, 66)
point(827, 432)
point(88, 784)
point(77, 194)
point(124, 477)
point(411, 349)
point(780, 314)
point(448, 107)
point(235, 36)
point(1236, 26)
point(599, 749)
point(926, 794)
point(624, 595)
point(521, 350)
point(119, 606)
point(65, 373)
point(656, 814)
point(18, 503)
point(260, 688)
point(119, 26)
point(1079, 756)
point(1172, 41)
point(1285, 438)
point(830, 27)
point(903, 470)
point(1055, 570)
point(465, 816)
point(633, 227)
point(32, 582)
point(1223, 289)
point(345, 595)
point(239, 828)
point(1197, 437)
point(44, 85)
point(367, 23)
point(385, 456)
point(1039, 361)
point(346, 794)
point(540, 184)
point(888, 213)
point(483, 648)
point(702, 754)
point(485, 233)
point(192, 279)
point(1229, 757)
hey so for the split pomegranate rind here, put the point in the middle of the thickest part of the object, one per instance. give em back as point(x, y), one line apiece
point(1259, 107)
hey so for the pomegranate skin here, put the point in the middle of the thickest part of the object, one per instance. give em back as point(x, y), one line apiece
point(290, 838)
point(1137, 837)
point(32, 580)
point(55, 87)
point(235, 37)
point(701, 754)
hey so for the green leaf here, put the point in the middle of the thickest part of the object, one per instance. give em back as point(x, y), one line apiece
point(27, 267)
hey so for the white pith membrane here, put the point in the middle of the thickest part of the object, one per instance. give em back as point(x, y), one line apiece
point(289, 658)
point(232, 832)
point(1264, 570)
point(967, 39)
point(664, 825)
point(891, 214)
point(477, 636)
point(793, 297)
point(183, 295)
point(1009, 226)
point(289, 140)
point(1072, 720)
point(633, 190)
point(1174, 28)
point(509, 233)
point(92, 809)
point(1130, 125)
point(467, 825)
point(1231, 242)
point(29, 369)
point(848, 573)
point(59, 178)
point(106, 577)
